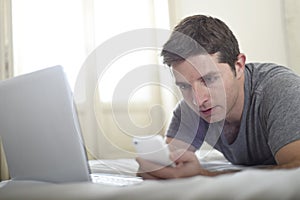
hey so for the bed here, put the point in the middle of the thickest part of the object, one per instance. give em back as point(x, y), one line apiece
point(250, 183)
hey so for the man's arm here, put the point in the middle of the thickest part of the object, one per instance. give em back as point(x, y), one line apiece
point(187, 164)
point(288, 156)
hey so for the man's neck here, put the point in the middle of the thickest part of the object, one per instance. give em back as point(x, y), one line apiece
point(233, 120)
point(235, 115)
point(231, 131)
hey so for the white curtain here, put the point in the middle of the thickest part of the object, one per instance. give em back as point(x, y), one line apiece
point(6, 65)
point(6, 60)
point(67, 32)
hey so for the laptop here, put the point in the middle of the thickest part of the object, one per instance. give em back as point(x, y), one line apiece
point(40, 130)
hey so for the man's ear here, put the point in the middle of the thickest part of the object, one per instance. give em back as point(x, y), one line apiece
point(240, 65)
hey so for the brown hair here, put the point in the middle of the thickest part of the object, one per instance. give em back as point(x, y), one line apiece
point(200, 34)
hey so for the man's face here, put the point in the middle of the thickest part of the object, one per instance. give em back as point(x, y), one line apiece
point(209, 88)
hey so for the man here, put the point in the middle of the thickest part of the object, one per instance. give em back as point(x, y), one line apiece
point(249, 112)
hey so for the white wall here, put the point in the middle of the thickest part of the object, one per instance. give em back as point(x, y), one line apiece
point(257, 24)
point(292, 22)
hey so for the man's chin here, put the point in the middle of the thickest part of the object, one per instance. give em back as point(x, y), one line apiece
point(213, 118)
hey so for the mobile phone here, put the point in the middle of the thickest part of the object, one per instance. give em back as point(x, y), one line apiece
point(154, 149)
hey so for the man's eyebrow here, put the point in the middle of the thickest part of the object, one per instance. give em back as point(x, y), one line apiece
point(213, 73)
point(181, 83)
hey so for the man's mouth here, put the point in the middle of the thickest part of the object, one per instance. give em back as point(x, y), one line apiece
point(206, 112)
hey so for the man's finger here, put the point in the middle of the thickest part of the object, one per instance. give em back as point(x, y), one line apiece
point(148, 166)
point(156, 170)
point(182, 155)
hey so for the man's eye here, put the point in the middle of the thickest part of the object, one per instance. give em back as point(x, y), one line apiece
point(210, 79)
point(183, 86)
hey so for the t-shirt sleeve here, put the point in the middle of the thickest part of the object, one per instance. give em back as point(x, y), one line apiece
point(281, 105)
point(185, 125)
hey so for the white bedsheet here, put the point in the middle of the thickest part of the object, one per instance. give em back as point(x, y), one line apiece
point(247, 184)
point(214, 162)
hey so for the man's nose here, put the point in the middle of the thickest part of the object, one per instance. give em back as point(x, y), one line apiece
point(200, 94)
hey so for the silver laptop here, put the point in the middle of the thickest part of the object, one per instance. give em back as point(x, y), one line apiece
point(40, 131)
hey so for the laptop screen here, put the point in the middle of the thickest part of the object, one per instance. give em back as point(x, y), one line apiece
point(40, 130)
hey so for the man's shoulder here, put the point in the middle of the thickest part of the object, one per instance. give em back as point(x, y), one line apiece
point(262, 75)
point(260, 70)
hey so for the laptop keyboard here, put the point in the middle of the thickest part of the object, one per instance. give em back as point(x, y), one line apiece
point(115, 179)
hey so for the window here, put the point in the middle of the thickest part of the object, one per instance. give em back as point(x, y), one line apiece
point(66, 32)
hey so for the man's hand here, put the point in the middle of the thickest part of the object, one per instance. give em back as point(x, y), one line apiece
point(187, 165)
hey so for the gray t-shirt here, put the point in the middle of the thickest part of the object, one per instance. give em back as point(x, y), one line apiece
point(270, 119)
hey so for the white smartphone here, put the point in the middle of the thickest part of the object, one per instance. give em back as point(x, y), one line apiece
point(153, 149)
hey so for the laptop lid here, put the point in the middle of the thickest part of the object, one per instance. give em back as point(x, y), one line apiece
point(40, 130)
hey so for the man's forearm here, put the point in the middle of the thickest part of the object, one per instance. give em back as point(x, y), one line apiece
point(291, 165)
point(217, 173)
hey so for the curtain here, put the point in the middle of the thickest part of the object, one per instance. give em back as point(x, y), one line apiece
point(110, 117)
point(6, 64)
point(6, 59)
point(68, 32)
